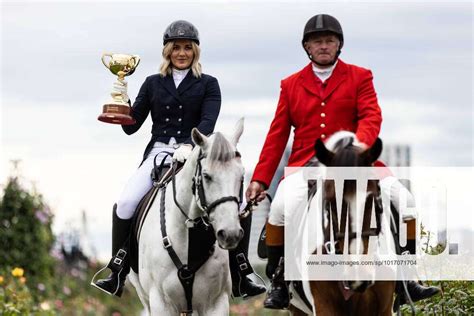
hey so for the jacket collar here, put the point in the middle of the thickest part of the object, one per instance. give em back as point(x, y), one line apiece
point(308, 77)
point(187, 82)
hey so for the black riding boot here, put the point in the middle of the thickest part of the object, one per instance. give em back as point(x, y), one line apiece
point(240, 267)
point(416, 291)
point(278, 296)
point(119, 264)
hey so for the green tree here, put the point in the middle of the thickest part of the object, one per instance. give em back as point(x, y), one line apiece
point(26, 237)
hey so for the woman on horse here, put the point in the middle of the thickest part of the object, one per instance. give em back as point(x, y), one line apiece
point(180, 97)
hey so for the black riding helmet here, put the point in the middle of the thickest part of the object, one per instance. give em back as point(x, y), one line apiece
point(323, 23)
point(181, 30)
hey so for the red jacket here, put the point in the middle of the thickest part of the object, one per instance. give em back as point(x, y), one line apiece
point(348, 102)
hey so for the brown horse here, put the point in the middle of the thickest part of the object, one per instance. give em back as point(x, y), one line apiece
point(352, 297)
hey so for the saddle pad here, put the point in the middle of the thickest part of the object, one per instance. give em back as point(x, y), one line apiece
point(138, 218)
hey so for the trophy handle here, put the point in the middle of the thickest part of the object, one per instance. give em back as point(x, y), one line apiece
point(136, 59)
point(103, 59)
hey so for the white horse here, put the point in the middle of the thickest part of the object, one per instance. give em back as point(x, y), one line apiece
point(218, 166)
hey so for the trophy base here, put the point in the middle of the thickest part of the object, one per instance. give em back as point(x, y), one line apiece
point(116, 114)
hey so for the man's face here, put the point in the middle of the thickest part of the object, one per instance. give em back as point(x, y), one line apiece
point(323, 48)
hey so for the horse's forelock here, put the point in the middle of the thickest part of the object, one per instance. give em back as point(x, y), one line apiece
point(221, 150)
point(346, 148)
point(340, 140)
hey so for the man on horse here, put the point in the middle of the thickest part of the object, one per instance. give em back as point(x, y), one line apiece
point(324, 97)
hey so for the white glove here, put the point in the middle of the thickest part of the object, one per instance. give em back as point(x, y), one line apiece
point(182, 153)
point(120, 88)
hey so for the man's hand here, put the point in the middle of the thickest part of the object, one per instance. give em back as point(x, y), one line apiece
point(182, 152)
point(255, 191)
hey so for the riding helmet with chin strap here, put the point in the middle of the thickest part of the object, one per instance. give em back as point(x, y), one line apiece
point(181, 30)
point(323, 23)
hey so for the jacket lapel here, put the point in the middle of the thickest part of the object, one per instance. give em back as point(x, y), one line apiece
point(338, 76)
point(309, 80)
point(187, 82)
point(168, 84)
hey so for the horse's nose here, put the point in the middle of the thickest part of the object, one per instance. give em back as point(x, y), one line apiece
point(221, 234)
point(230, 239)
point(241, 234)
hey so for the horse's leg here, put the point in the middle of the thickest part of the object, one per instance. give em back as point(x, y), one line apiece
point(133, 277)
point(221, 307)
point(158, 306)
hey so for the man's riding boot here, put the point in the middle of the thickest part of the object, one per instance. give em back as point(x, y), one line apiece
point(240, 267)
point(416, 291)
point(278, 296)
point(119, 264)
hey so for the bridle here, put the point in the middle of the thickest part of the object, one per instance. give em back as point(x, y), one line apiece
point(334, 246)
point(200, 194)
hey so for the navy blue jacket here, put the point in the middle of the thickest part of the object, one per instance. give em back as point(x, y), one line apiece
point(175, 112)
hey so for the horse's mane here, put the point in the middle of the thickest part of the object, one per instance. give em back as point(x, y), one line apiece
point(221, 149)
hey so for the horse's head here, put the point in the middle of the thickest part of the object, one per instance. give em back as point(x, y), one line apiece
point(218, 182)
point(343, 150)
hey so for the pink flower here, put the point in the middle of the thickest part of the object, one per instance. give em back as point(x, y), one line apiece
point(42, 217)
point(41, 287)
point(75, 273)
point(66, 290)
point(59, 304)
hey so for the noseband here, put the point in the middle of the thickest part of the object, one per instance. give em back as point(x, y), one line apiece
point(200, 195)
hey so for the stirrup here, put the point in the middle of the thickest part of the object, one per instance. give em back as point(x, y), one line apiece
point(245, 269)
point(115, 264)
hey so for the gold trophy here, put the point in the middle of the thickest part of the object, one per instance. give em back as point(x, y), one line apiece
point(117, 111)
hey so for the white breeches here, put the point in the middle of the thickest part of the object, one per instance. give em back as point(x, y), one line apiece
point(297, 193)
point(140, 182)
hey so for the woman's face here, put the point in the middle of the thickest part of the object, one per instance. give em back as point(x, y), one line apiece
point(182, 54)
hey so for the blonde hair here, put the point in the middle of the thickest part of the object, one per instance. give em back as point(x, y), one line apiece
point(166, 67)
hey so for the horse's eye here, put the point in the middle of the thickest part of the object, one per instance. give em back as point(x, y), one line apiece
point(207, 177)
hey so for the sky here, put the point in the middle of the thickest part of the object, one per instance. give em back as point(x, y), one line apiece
point(53, 84)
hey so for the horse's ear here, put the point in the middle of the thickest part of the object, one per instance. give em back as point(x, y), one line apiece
point(322, 153)
point(198, 138)
point(238, 130)
point(375, 151)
